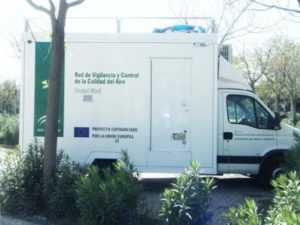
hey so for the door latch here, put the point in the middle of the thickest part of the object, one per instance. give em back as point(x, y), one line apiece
point(180, 137)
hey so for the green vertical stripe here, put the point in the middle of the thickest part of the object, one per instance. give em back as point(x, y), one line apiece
point(42, 69)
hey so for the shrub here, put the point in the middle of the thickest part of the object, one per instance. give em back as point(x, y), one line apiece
point(292, 157)
point(21, 181)
point(285, 207)
point(11, 196)
point(21, 187)
point(9, 130)
point(286, 202)
point(111, 198)
point(245, 215)
point(62, 203)
point(284, 215)
point(188, 199)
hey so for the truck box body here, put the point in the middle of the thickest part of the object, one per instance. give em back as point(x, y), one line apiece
point(166, 99)
point(152, 95)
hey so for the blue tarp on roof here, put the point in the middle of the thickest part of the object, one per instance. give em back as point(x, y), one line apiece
point(180, 28)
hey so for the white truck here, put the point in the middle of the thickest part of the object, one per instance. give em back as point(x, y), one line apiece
point(166, 99)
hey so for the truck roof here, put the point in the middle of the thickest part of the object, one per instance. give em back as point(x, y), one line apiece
point(229, 77)
point(197, 38)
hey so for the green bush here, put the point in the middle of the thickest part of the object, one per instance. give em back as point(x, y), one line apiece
point(11, 195)
point(282, 216)
point(20, 181)
point(286, 202)
point(109, 198)
point(63, 198)
point(292, 157)
point(21, 186)
point(285, 207)
point(9, 130)
point(187, 201)
point(245, 215)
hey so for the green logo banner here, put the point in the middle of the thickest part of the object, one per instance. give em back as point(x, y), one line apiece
point(42, 69)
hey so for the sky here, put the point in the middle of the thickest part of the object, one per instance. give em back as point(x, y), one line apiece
point(14, 13)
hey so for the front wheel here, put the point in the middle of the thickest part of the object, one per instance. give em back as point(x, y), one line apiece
point(271, 169)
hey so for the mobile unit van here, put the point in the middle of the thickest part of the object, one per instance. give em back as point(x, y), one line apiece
point(166, 99)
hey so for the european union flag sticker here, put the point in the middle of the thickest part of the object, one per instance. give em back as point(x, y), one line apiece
point(81, 132)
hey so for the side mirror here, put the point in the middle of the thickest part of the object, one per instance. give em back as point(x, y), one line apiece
point(277, 120)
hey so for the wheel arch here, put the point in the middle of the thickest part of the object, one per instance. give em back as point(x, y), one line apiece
point(276, 153)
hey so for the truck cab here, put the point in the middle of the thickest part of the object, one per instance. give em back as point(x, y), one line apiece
point(251, 139)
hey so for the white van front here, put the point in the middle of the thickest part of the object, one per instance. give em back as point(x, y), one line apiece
point(251, 138)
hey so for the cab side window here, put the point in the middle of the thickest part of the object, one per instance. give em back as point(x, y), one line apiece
point(264, 119)
point(245, 110)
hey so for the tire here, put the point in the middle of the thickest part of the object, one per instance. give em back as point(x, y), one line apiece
point(271, 169)
point(104, 164)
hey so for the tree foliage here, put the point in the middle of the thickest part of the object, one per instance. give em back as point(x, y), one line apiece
point(9, 97)
point(284, 72)
point(9, 130)
point(266, 5)
point(232, 18)
point(253, 65)
point(273, 71)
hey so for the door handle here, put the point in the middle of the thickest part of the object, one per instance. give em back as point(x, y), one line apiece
point(180, 137)
point(227, 135)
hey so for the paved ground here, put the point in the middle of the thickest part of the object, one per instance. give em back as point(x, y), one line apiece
point(231, 191)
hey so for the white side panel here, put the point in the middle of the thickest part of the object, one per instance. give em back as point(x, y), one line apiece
point(203, 109)
point(108, 99)
point(199, 110)
point(170, 102)
point(108, 85)
point(27, 96)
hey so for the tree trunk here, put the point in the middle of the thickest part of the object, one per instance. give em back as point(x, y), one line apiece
point(252, 85)
point(293, 110)
point(49, 164)
point(276, 103)
point(58, 20)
